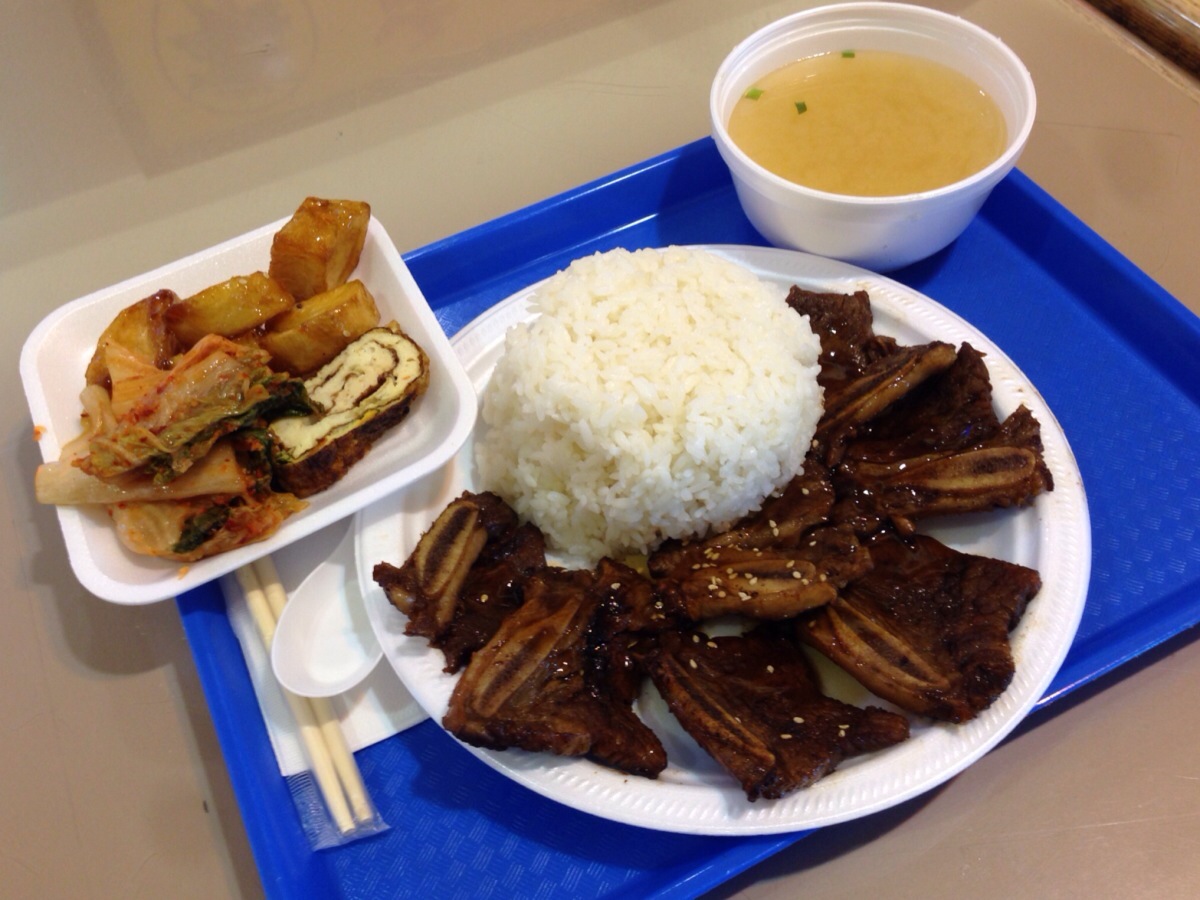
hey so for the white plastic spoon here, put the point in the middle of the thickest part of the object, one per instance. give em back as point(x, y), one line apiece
point(324, 644)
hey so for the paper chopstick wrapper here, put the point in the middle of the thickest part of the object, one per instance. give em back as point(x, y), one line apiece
point(314, 738)
point(375, 710)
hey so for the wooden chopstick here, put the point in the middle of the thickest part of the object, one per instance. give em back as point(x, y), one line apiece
point(333, 766)
point(326, 719)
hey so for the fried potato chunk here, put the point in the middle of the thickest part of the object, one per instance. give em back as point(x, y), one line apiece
point(142, 329)
point(315, 331)
point(230, 308)
point(318, 248)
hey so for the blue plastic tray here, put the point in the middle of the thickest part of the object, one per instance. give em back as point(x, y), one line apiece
point(1113, 354)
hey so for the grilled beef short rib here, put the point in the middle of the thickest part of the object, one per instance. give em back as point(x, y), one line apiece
point(553, 677)
point(754, 703)
point(927, 628)
point(769, 584)
point(846, 327)
point(780, 523)
point(553, 660)
point(941, 450)
point(465, 575)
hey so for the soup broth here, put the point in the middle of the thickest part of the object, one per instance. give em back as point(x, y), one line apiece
point(868, 123)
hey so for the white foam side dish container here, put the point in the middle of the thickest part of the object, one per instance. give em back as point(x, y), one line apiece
point(55, 356)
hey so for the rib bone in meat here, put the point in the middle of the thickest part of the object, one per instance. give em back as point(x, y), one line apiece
point(928, 627)
point(539, 685)
point(754, 703)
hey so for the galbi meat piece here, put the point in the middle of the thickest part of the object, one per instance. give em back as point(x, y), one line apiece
point(755, 704)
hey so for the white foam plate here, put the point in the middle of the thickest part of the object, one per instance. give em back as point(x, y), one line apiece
point(694, 795)
point(56, 353)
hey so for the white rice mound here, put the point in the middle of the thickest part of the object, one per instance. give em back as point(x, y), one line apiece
point(658, 394)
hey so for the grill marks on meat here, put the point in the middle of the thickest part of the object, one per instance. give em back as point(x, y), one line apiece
point(927, 628)
point(543, 682)
point(754, 703)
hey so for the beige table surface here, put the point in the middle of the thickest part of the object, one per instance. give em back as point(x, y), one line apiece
point(136, 131)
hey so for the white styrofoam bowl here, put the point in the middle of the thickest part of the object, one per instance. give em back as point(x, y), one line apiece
point(880, 233)
point(56, 353)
